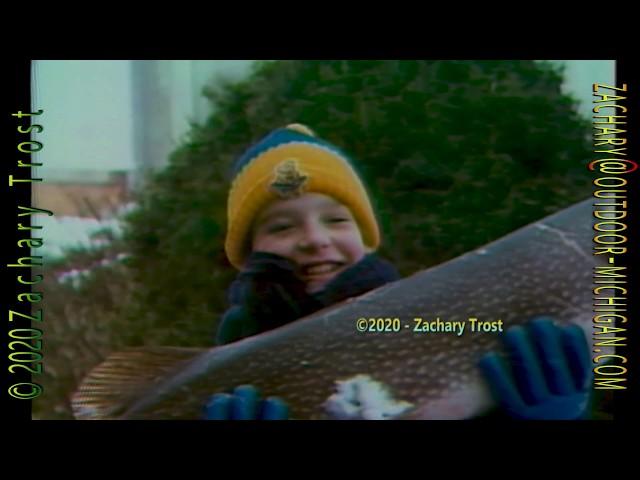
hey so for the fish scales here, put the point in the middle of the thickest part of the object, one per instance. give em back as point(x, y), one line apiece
point(324, 368)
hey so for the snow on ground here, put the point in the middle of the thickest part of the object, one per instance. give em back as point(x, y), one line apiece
point(62, 234)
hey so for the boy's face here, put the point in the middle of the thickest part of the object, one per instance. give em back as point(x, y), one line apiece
point(316, 232)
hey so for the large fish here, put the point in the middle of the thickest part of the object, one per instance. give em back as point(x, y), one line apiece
point(325, 368)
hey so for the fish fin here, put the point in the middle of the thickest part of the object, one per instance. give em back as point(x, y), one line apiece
point(123, 377)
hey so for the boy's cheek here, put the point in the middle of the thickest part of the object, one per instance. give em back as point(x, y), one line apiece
point(280, 247)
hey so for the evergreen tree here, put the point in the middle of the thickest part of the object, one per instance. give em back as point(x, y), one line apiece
point(454, 153)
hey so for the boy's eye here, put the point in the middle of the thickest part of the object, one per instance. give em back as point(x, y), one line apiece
point(278, 227)
point(338, 219)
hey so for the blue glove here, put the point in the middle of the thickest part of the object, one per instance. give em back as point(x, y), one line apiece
point(245, 404)
point(551, 372)
point(268, 287)
point(265, 295)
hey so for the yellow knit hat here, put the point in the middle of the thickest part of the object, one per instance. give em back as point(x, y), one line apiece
point(287, 163)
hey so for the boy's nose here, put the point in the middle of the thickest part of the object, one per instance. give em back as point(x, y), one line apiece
point(313, 237)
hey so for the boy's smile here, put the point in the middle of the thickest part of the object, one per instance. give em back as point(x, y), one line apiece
point(318, 274)
point(315, 231)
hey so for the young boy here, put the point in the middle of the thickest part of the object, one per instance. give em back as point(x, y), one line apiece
point(303, 234)
point(301, 230)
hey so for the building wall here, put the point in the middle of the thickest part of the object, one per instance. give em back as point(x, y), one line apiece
point(87, 117)
point(167, 98)
point(84, 198)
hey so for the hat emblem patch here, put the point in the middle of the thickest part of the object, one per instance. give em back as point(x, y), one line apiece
point(289, 179)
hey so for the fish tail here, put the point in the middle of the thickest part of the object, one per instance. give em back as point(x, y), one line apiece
point(125, 376)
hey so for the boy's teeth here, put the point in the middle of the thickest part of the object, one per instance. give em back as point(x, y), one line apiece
point(321, 269)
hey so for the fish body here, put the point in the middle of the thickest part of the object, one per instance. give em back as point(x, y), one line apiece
point(325, 368)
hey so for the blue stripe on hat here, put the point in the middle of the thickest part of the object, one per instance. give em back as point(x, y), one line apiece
point(280, 137)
